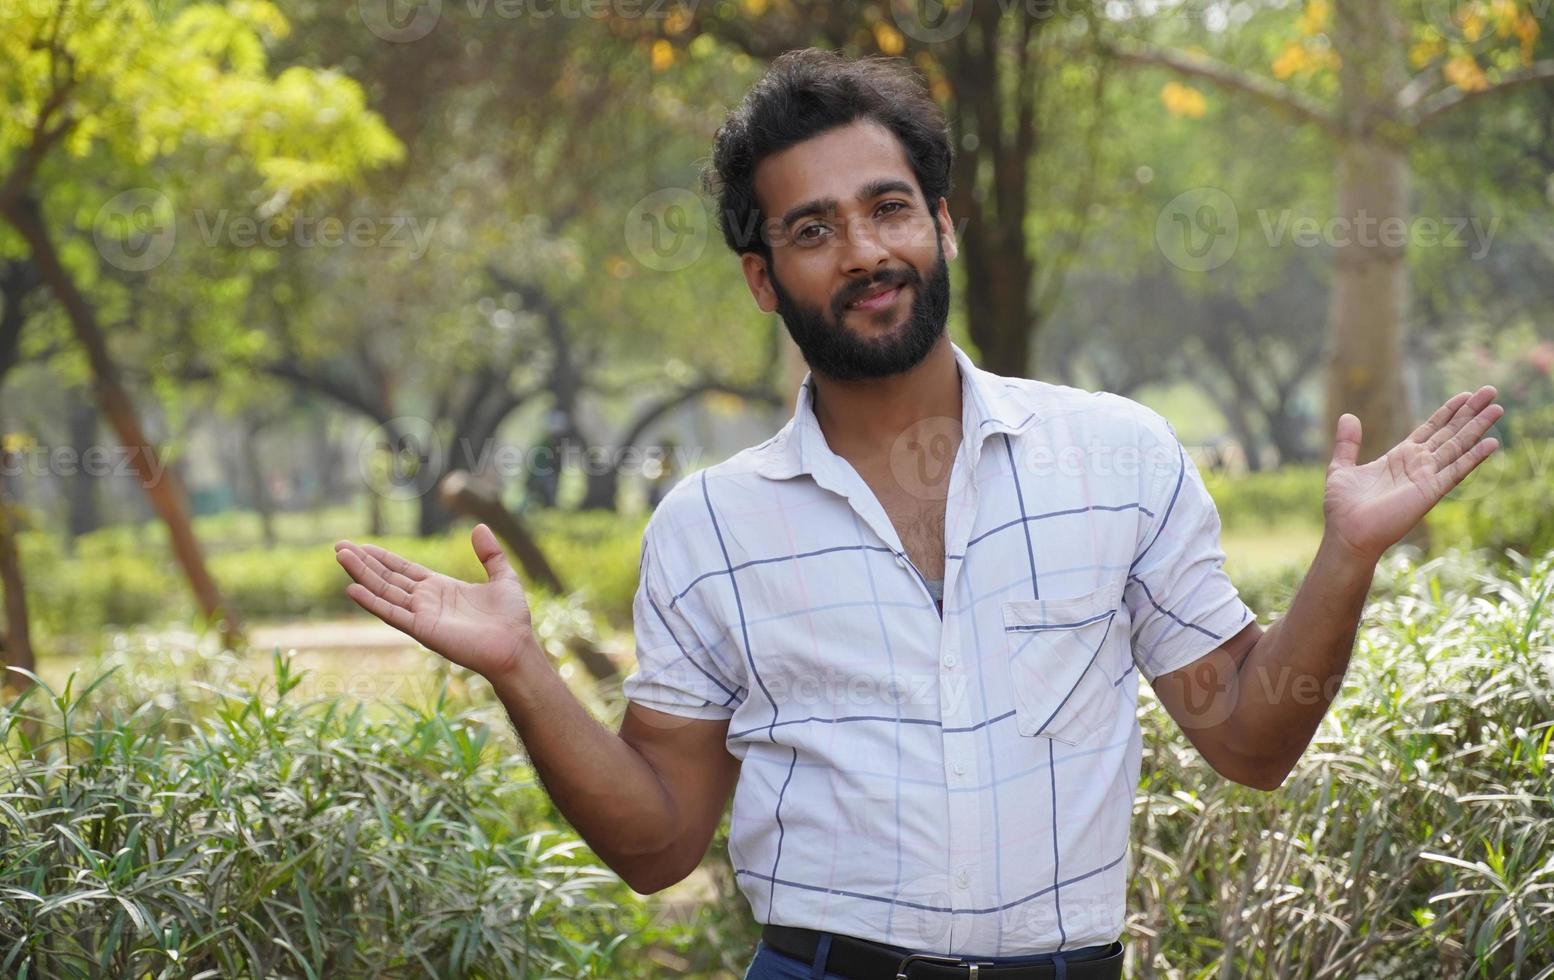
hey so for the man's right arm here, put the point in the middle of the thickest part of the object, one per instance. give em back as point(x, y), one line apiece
point(648, 799)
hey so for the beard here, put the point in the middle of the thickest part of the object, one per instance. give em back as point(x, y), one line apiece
point(833, 349)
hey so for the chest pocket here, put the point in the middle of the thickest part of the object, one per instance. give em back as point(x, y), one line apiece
point(1057, 657)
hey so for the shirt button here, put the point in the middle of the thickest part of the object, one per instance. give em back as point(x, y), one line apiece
point(951, 660)
point(960, 769)
point(962, 880)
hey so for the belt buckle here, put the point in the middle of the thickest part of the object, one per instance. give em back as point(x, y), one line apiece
point(906, 964)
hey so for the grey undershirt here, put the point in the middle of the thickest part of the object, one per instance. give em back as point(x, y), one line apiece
point(936, 589)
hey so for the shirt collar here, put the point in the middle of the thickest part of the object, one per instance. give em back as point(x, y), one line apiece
point(990, 404)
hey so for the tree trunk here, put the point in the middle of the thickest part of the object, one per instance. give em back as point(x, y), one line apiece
point(253, 462)
point(1287, 432)
point(374, 514)
point(992, 185)
point(163, 489)
point(1368, 305)
point(85, 514)
point(602, 490)
point(17, 636)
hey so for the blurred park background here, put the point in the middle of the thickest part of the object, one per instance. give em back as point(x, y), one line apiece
point(277, 273)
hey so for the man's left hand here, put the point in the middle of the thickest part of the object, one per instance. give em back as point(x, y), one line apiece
point(1369, 508)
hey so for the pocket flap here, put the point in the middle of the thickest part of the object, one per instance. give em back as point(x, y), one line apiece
point(1054, 647)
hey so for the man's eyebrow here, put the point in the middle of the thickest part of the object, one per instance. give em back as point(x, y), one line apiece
point(821, 205)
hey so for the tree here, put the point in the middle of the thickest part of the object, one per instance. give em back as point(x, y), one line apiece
point(1015, 89)
point(117, 92)
point(18, 282)
point(1378, 108)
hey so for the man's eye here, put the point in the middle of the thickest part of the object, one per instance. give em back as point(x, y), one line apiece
point(804, 233)
point(894, 207)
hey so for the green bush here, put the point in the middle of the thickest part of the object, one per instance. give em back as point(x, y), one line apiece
point(1289, 494)
point(69, 595)
point(597, 554)
point(241, 834)
point(1504, 505)
point(1416, 837)
point(122, 576)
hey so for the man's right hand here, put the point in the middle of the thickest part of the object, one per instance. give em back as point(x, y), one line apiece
point(483, 626)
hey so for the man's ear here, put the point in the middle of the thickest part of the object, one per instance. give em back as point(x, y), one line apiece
point(946, 229)
point(760, 283)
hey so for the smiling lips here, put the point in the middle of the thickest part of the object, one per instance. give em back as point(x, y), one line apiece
point(878, 300)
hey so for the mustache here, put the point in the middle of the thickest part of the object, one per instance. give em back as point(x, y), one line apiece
point(888, 278)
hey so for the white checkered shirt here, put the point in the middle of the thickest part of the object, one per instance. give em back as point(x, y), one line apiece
point(959, 782)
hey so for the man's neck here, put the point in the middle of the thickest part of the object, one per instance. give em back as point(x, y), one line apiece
point(862, 419)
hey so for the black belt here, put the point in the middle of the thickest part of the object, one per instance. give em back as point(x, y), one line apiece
point(859, 959)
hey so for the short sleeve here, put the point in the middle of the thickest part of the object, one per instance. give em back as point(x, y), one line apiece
point(1182, 603)
point(676, 671)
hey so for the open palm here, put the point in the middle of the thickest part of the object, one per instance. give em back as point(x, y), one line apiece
point(1371, 507)
point(478, 625)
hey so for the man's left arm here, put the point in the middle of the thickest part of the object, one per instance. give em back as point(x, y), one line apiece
point(1252, 705)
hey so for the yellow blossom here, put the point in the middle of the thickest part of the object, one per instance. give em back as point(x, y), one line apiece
point(1183, 100)
point(1315, 17)
point(663, 55)
point(888, 39)
point(1426, 51)
point(1526, 30)
point(1464, 72)
point(1472, 24)
point(1293, 60)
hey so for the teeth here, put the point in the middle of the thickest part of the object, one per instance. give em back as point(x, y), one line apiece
point(866, 299)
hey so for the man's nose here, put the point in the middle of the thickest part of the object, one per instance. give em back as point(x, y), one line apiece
point(861, 250)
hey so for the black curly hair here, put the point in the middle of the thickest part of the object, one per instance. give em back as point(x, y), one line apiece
point(805, 93)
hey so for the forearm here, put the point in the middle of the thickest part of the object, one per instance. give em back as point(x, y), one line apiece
point(604, 787)
point(1289, 678)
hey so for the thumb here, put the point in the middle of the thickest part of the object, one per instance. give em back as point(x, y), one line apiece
point(1346, 443)
point(490, 554)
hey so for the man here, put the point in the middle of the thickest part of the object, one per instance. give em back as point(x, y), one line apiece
point(909, 628)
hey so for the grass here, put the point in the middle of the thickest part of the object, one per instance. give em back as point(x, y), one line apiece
point(216, 829)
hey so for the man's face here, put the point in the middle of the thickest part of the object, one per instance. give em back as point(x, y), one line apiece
point(858, 269)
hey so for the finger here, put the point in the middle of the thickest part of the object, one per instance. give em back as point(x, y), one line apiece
point(1346, 442)
point(398, 563)
point(1429, 426)
point(371, 580)
point(1468, 462)
point(400, 619)
point(1468, 435)
point(490, 554)
point(389, 576)
point(1461, 417)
